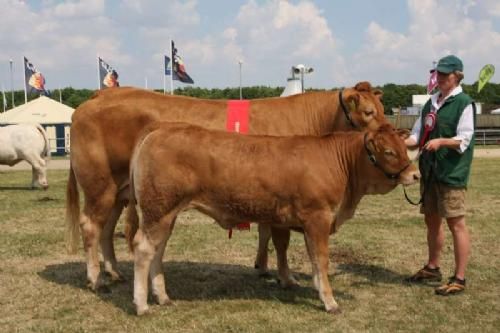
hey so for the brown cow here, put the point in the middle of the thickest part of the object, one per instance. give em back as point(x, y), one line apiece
point(105, 129)
point(305, 182)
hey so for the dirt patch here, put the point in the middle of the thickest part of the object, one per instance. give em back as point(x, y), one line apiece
point(487, 153)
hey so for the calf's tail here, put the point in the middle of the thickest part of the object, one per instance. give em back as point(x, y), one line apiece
point(132, 220)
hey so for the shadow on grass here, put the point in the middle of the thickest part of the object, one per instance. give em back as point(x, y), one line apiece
point(349, 261)
point(193, 281)
point(373, 273)
point(18, 188)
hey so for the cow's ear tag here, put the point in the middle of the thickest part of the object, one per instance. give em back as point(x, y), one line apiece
point(352, 106)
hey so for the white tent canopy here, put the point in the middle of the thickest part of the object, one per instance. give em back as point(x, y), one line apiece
point(42, 110)
point(55, 117)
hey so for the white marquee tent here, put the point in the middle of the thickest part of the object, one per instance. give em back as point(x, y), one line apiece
point(55, 117)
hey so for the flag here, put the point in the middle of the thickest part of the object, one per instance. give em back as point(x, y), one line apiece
point(108, 77)
point(167, 66)
point(485, 75)
point(178, 67)
point(433, 82)
point(34, 81)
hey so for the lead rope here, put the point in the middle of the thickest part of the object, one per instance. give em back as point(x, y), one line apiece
point(425, 185)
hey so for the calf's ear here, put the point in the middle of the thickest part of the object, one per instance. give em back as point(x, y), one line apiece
point(378, 93)
point(370, 141)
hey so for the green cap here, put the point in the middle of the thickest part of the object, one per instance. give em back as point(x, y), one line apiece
point(449, 64)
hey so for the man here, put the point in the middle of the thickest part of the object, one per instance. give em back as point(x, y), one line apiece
point(444, 133)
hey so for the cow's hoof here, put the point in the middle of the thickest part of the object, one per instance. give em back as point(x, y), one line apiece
point(103, 289)
point(141, 311)
point(165, 301)
point(99, 288)
point(119, 279)
point(115, 277)
point(334, 311)
point(92, 286)
point(288, 284)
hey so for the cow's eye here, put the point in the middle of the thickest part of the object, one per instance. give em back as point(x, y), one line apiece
point(369, 112)
point(389, 152)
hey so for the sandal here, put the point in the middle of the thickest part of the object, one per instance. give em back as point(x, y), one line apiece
point(453, 286)
point(426, 274)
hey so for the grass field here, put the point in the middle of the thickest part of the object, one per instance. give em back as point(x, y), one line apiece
point(215, 288)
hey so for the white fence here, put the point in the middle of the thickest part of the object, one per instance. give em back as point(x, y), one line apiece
point(487, 136)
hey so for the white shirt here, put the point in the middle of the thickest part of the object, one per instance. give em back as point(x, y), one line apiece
point(465, 127)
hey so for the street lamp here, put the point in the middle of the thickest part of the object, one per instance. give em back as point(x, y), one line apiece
point(12, 83)
point(301, 69)
point(241, 63)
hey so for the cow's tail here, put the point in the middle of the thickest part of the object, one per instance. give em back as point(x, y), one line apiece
point(46, 149)
point(72, 212)
point(132, 221)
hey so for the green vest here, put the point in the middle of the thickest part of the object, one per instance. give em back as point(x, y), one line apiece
point(447, 166)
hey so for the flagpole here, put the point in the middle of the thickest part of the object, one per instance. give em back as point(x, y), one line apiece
point(24, 80)
point(98, 75)
point(164, 75)
point(60, 94)
point(172, 66)
point(12, 83)
point(164, 83)
point(3, 98)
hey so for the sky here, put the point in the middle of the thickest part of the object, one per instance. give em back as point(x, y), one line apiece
point(383, 41)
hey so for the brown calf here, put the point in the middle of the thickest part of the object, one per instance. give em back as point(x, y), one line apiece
point(305, 182)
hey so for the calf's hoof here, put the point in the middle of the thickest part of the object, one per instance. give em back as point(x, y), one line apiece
point(263, 272)
point(334, 311)
point(265, 275)
point(99, 288)
point(164, 301)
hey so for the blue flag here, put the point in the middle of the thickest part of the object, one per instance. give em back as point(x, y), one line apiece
point(167, 66)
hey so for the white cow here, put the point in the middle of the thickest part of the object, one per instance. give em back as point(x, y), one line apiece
point(26, 142)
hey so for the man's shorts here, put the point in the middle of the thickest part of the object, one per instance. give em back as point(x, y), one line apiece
point(444, 200)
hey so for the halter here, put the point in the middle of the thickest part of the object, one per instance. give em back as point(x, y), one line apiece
point(373, 159)
point(346, 111)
